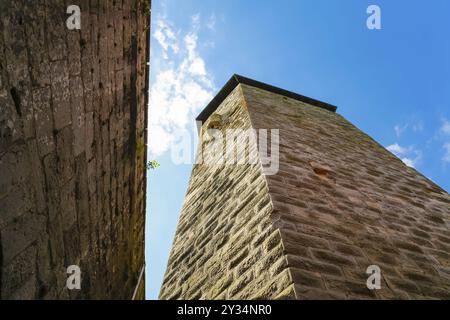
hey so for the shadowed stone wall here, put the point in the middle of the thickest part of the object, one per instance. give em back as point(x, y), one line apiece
point(339, 203)
point(72, 147)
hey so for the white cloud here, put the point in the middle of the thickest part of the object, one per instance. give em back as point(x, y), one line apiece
point(182, 85)
point(398, 150)
point(418, 126)
point(409, 155)
point(445, 127)
point(211, 23)
point(446, 157)
point(414, 125)
point(195, 19)
point(197, 67)
point(166, 37)
point(399, 130)
point(445, 130)
point(409, 162)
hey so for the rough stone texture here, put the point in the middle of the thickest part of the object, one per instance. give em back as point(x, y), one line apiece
point(221, 249)
point(339, 203)
point(72, 147)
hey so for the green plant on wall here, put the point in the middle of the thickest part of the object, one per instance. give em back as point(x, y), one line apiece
point(140, 149)
point(152, 164)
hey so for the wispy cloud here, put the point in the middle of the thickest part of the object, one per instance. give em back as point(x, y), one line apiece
point(415, 126)
point(182, 85)
point(399, 130)
point(211, 23)
point(166, 37)
point(409, 155)
point(445, 129)
point(418, 126)
point(397, 149)
point(446, 157)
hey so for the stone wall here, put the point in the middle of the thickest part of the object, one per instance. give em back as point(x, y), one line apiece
point(72, 147)
point(339, 203)
point(225, 245)
point(342, 202)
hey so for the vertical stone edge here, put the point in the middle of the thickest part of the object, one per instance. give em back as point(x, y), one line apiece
point(268, 276)
point(288, 292)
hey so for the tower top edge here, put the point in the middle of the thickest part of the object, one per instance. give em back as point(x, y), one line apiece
point(237, 79)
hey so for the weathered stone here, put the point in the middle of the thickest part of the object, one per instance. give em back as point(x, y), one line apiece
point(20, 234)
point(20, 270)
point(72, 184)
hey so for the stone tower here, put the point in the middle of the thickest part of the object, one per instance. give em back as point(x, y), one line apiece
point(338, 204)
point(72, 148)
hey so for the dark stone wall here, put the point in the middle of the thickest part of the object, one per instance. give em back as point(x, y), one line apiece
point(72, 147)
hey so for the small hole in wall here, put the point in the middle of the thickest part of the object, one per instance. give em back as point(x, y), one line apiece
point(215, 121)
point(321, 172)
point(213, 125)
point(5, 132)
point(43, 290)
point(16, 98)
point(82, 43)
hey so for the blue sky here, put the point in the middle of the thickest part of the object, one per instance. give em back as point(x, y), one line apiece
point(393, 83)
